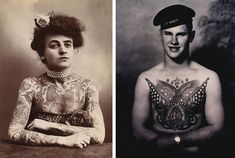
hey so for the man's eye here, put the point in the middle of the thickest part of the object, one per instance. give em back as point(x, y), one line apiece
point(183, 34)
point(167, 33)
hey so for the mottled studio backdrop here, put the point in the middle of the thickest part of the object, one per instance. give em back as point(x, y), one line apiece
point(18, 61)
point(139, 48)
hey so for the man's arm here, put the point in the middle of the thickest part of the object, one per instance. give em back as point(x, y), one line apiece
point(141, 111)
point(214, 113)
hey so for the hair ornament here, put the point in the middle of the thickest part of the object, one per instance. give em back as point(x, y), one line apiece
point(51, 14)
point(41, 21)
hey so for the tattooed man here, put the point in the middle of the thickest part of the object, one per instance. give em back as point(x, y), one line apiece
point(58, 107)
point(177, 103)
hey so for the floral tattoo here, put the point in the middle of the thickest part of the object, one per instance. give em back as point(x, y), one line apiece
point(73, 97)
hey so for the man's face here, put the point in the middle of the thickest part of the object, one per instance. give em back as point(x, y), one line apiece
point(175, 40)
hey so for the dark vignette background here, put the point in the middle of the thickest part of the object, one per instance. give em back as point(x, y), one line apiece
point(139, 48)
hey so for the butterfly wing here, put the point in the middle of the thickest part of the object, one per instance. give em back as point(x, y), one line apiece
point(162, 93)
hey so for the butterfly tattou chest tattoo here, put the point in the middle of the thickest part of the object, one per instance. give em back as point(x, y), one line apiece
point(175, 103)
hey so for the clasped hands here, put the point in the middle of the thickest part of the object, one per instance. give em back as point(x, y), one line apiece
point(79, 139)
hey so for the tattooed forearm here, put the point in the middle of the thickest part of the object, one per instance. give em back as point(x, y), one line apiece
point(98, 132)
point(20, 117)
point(57, 114)
point(31, 137)
point(95, 133)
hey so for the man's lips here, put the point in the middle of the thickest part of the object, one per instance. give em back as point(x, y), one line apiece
point(174, 49)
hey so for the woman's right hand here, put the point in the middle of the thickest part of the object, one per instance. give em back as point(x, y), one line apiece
point(80, 140)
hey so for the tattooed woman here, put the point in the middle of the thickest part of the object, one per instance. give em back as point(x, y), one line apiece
point(177, 103)
point(58, 107)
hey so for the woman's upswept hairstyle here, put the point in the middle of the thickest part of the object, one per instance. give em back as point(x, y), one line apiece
point(56, 24)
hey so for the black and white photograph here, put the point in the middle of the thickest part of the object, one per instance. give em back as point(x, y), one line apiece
point(175, 78)
point(56, 78)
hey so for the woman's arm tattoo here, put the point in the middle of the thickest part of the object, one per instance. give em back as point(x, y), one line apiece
point(17, 131)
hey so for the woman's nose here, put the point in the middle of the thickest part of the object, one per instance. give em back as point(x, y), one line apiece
point(62, 50)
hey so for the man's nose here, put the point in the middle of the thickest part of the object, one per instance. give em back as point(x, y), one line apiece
point(174, 40)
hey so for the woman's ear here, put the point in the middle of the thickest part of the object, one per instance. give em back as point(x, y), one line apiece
point(191, 36)
point(76, 50)
point(43, 59)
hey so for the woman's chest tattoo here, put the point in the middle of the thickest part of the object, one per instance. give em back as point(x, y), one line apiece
point(177, 102)
point(52, 98)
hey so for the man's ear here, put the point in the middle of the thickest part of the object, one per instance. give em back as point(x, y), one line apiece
point(191, 36)
point(160, 31)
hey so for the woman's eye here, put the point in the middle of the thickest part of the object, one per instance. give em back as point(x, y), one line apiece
point(53, 46)
point(68, 45)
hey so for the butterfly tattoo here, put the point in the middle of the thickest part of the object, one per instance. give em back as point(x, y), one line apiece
point(175, 103)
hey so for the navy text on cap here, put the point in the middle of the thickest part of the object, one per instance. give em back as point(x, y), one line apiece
point(173, 16)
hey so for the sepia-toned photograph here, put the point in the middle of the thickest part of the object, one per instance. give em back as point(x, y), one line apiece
point(175, 78)
point(56, 78)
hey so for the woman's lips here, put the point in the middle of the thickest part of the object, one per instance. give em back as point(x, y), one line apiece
point(63, 58)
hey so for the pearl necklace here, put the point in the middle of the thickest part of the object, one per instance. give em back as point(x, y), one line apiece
point(55, 74)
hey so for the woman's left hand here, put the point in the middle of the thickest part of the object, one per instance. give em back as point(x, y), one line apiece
point(79, 140)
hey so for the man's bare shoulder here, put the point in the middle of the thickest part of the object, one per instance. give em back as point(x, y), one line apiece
point(152, 71)
point(204, 71)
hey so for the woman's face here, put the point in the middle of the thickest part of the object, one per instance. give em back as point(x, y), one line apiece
point(58, 52)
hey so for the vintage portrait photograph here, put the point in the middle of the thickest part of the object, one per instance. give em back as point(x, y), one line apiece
point(175, 78)
point(56, 78)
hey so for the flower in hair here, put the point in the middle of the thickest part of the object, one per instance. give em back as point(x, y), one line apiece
point(41, 21)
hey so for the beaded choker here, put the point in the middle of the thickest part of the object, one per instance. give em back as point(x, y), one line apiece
point(55, 74)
